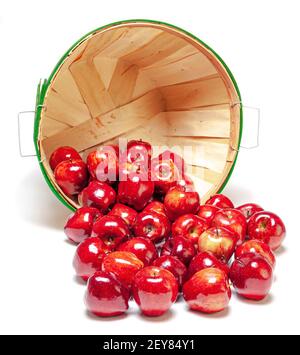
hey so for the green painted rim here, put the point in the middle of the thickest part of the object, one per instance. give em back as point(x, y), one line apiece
point(43, 87)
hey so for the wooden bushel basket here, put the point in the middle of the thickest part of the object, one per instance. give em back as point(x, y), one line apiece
point(142, 80)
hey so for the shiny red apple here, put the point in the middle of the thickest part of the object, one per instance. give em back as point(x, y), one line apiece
point(135, 192)
point(256, 247)
point(155, 206)
point(208, 212)
point(80, 224)
point(142, 248)
point(105, 296)
point(128, 214)
point(175, 266)
point(187, 183)
point(220, 201)
point(103, 164)
point(179, 202)
point(139, 152)
point(62, 154)
point(88, 257)
point(165, 175)
point(189, 226)
point(249, 209)
point(233, 220)
point(71, 176)
point(204, 261)
point(152, 225)
point(98, 195)
point(112, 230)
point(267, 227)
point(180, 247)
point(220, 242)
point(123, 265)
point(252, 276)
point(175, 158)
point(208, 291)
point(154, 290)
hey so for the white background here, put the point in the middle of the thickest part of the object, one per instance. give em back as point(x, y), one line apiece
point(259, 40)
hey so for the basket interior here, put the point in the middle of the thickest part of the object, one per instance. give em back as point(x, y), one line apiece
point(144, 81)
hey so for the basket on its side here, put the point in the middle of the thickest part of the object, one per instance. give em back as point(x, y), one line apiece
point(142, 80)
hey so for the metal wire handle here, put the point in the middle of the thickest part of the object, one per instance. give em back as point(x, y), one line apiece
point(258, 115)
point(19, 133)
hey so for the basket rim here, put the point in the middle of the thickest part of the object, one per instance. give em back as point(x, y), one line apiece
point(44, 85)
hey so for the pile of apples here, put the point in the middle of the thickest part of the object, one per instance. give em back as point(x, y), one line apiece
point(143, 233)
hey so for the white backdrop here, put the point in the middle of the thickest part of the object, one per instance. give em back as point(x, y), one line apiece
point(259, 42)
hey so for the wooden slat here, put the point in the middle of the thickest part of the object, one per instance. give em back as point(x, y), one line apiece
point(147, 131)
point(123, 82)
point(199, 123)
point(132, 39)
point(109, 125)
point(102, 40)
point(52, 126)
point(189, 68)
point(208, 153)
point(161, 47)
point(152, 131)
point(91, 87)
point(205, 174)
point(65, 85)
point(181, 54)
point(105, 67)
point(195, 94)
point(66, 110)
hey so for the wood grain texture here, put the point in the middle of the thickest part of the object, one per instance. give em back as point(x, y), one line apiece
point(108, 126)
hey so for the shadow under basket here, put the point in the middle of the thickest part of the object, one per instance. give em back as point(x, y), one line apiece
point(142, 80)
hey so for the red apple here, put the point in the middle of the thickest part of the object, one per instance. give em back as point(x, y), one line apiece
point(71, 176)
point(135, 192)
point(156, 206)
point(189, 226)
point(88, 257)
point(112, 230)
point(80, 224)
point(142, 248)
point(187, 183)
point(154, 290)
point(256, 247)
point(164, 174)
point(268, 228)
point(208, 212)
point(123, 265)
point(220, 201)
point(249, 209)
point(208, 291)
point(252, 276)
point(220, 242)
point(152, 225)
point(98, 195)
point(179, 202)
point(184, 249)
point(139, 152)
point(204, 261)
point(175, 158)
point(175, 266)
point(62, 154)
point(232, 220)
point(128, 214)
point(105, 296)
point(103, 164)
